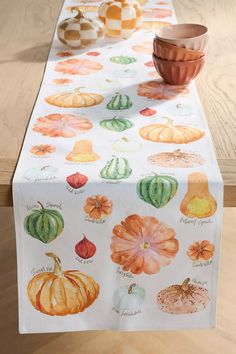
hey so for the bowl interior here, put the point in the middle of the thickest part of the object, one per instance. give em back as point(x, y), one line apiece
point(181, 31)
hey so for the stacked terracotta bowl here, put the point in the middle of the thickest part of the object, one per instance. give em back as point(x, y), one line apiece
point(178, 52)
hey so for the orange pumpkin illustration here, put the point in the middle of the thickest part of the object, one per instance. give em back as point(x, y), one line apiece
point(98, 206)
point(143, 244)
point(62, 125)
point(158, 90)
point(41, 150)
point(63, 54)
point(62, 81)
point(156, 13)
point(151, 25)
point(61, 293)
point(201, 251)
point(145, 47)
point(78, 66)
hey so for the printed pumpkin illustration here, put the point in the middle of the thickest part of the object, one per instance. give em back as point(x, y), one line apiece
point(77, 180)
point(108, 85)
point(201, 251)
point(180, 110)
point(142, 244)
point(149, 64)
point(82, 152)
point(78, 66)
point(157, 190)
point(176, 159)
point(98, 206)
point(158, 90)
point(119, 102)
point(66, 53)
point(84, 8)
point(157, 13)
point(116, 168)
point(116, 124)
point(75, 99)
point(61, 293)
point(183, 298)
point(145, 47)
point(170, 133)
point(38, 173)
point(148, 112)
point(129, 297)
point(62, 81)
point(125, 73)
point(123, 59)
point(44, 224)
point(93, 54)
point(62, 125)
point(41, 150)
point(198, 201)
point(85, 248)
point(151, 25)
point(125, 145)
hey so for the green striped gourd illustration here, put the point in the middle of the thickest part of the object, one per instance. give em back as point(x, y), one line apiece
point(117, 124)
point(123, 59)
point(157, 190)
point(119, 102)
point(44, 224)
point(116, 168)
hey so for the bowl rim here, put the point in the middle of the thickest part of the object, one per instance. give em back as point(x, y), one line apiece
point(179, 25)
point(178, 62)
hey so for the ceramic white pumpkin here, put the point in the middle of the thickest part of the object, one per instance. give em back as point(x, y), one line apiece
point(129, 297)
point(40, 172)
point(126, 145)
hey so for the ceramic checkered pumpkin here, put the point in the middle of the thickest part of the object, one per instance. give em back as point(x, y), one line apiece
point(120, 17)
point(79, 31)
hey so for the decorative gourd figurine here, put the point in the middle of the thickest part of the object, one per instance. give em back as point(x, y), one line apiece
point(82, 152)
point(120, 17)
point(79, 31)
point(198, 201)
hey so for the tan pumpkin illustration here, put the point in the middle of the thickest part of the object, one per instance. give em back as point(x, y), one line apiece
point(82, 152)
point(201, 251)
point(183, 298)
point(142, 244)
point(158, 90)
point(145, 47)
point(78, 66)
point(198, 201)
point(170, 133)
point(61, 293)
point(176, 159)
point(98, 206)
point(74, 99)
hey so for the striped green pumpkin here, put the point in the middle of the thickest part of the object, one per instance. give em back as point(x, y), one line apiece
point(119, 102)
point(123, 59)
point(117, 124)
point(157, 190)
point(44, 224)
point(116, 168)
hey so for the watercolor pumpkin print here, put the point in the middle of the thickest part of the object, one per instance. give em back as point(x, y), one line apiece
point(201, 250)
point(176, 159)
point(116, 124)
point(85, 248)
point(66, 53)
point(43, 149)
point(115, 169)
point(61, 293)
point(62, 81)
point(183, 298)
point(152, 25)
point(98, 206)
point(129, 297)
point(142, 244)
point(156, 13)
point(78, 66)
point(76, 180)
point(62, 125)
point(158, 90)
point(145, 47)
point(83, 152)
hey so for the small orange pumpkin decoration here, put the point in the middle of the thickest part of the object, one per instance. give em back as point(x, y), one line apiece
point(61, 293)
point(143, 244)
point(41, 150)
point(98, 206)
point(201, 251)
point(74, 99)
point(170, 133)
point(158, 90)
point(78, 66)
point(145, 47)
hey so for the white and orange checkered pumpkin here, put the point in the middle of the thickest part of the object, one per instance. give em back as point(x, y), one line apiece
point(79, 31)
point(120, 17)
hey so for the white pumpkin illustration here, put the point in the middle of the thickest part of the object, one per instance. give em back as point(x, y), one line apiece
point(180, 110)
point(125, 73)
point(108, 85)
point(126, 145)
point(40, 172)
point(129, 297)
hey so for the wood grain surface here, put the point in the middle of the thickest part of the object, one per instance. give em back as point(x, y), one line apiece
point(221, 340)
point(26, 30)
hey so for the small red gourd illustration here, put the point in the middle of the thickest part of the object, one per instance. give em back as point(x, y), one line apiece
point(77, 180)
point(85, 248)
point(183, 298)
point(201, 250)
point(61, 293)
point(198, 201)
point(148, 112)
point(142, 244)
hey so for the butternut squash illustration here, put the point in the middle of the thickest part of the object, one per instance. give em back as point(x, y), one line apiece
point(198, 201)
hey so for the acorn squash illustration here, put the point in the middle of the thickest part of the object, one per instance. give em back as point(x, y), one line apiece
point(116, 168)
point(119, 102)
point(117, 124)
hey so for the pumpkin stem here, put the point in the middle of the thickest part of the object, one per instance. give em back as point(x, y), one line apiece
point(57, 264)
point(41, 205)
point(79, 13)
point(130, 289)
point(84, 236)
point(77, 90)
point(169, 121)
point(185, 284)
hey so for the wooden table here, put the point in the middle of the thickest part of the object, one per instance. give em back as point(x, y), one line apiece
point(25, 37)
